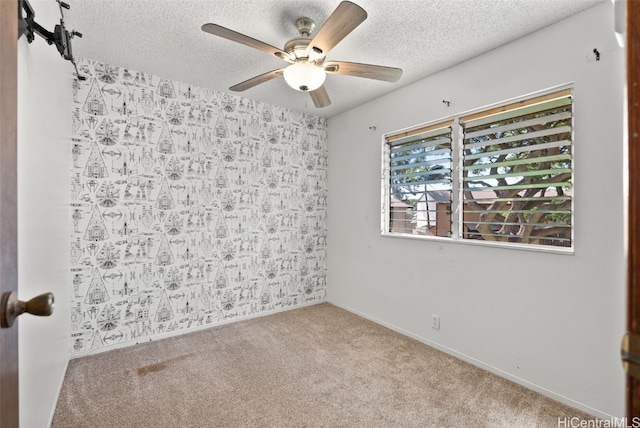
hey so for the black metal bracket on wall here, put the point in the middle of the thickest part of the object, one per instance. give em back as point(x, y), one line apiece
point(59, 36)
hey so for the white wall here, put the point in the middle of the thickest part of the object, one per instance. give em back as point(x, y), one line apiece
point(552, 322)
point(44, 128)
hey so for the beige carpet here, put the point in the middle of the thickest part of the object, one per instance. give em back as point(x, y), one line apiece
point(318, 366)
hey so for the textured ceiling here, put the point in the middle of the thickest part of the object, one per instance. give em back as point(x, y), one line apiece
point(163, 37)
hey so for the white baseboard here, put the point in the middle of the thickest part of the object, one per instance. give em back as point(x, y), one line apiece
point(62, 378)
point(546, 392)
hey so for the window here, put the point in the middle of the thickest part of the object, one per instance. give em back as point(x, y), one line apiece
point(502, 175)
point(420, 181)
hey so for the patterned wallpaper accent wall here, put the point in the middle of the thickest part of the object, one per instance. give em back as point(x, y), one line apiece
point(190, 207)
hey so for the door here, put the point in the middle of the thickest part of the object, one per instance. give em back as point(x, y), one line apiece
point(8, 207)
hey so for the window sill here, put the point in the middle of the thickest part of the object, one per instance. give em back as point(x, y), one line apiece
point(504, 245)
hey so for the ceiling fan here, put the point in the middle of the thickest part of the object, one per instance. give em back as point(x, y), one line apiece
point(306, 56)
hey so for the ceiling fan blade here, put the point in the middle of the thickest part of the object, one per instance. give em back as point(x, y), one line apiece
point(370, 71)
point(320, 97)
point(234, 36)
point(254, 81)
point(342, 21)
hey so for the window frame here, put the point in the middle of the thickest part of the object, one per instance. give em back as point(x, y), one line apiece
point(457, 147)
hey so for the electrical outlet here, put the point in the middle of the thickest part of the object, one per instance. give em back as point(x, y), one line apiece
point(435, 322)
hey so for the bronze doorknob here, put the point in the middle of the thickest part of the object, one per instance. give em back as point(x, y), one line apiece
point(11, 308)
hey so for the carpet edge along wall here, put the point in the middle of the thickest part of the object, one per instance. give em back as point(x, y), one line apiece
point(189, 208)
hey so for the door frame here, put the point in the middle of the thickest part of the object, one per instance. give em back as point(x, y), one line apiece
point(632, 32)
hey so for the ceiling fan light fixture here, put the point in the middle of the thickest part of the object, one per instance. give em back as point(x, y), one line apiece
point(304, 76)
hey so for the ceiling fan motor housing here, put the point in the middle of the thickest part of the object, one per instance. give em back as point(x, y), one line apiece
point(297, 47)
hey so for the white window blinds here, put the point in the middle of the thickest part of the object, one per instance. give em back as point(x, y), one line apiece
point(420, 186)
point(517, 172)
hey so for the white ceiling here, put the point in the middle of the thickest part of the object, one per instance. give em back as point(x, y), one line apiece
point(163, 37)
